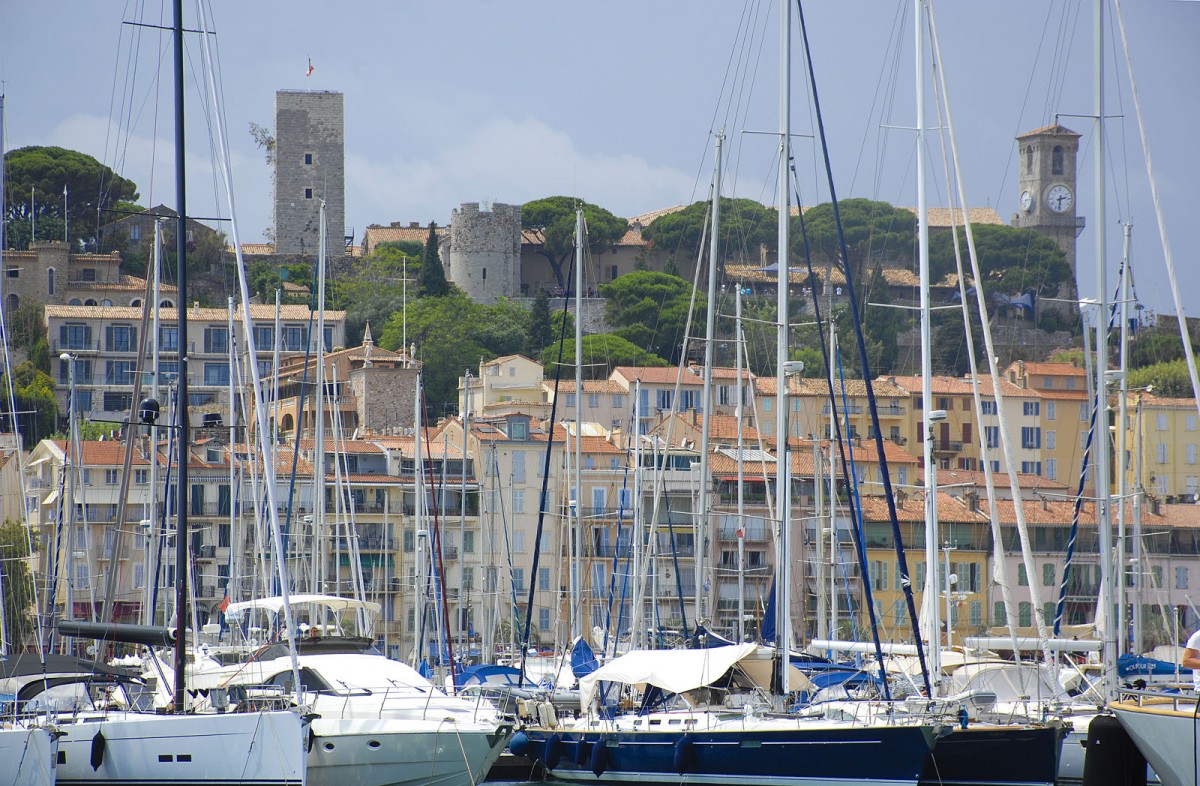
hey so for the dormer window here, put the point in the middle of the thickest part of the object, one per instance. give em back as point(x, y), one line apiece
point(518, 429)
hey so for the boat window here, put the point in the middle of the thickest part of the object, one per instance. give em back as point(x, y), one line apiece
point(309, 681)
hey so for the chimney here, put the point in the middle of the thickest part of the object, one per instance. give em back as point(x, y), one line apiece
point(1045, 503)
point(1155, 506)
point(972, 500)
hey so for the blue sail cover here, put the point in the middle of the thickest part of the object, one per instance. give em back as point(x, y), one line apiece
point(1141, 666)
point(583, 660)
point(766, 632)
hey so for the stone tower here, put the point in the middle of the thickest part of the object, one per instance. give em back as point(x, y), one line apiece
point(1048, 200)
point(310, 165)
point(485, 250)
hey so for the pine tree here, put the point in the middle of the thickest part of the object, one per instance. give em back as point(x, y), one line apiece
point(431, 279)
point(540, 332)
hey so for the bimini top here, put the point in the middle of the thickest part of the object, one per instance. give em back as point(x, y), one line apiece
point(675, 671)
point(275, 604)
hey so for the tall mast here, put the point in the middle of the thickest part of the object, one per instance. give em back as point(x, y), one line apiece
point(148, 613)
point(181, 408)
point(1103, 518)
point(320, 543)
point(577, 524)
point(782, 474)
point(930, 604)
point(741, 469)
point(701, 519)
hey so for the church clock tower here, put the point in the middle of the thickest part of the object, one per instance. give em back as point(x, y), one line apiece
point(1048, 200)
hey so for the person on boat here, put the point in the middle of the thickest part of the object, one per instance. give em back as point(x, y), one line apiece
point(1191, 658)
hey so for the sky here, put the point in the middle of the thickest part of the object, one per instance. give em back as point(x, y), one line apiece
point(616, 102)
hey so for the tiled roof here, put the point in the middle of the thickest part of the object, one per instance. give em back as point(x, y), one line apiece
point(960, 386)
point(1163, 402)
point(258, 248)
point(376, 234)
point(946, 477)
point(257, 311)
point(107, 452)
point(910, 508)
point(645, 219)
point(883, 387)
point(664, 375)
point(359, 446)
point(1054, 369)
point(1051, 129)
point(506, 358)
point(1064, 395)
point(589, 386)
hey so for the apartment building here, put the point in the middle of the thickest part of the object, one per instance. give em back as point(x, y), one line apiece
point(1065, 413)
point(1163, 440)
point(103, 343)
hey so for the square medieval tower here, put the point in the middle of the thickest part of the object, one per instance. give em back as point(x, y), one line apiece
point(310, 165)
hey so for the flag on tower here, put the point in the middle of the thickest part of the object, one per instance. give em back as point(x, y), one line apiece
point(310, 67)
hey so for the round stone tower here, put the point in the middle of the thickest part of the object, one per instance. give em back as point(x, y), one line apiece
point(485, 250)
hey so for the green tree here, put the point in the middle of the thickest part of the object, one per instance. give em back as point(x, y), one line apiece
point(453, 334)
point(874, 231)
point(15, 548)
point(37, 410)
point(881, 324)
point(540, 334)
point(602, 352)
point(375, 289)
point(1149, 348)
point(431, 278)
point(92, 189)
point(1169, 379)
point(25, 325)
point(746, 225)
point(1012, 261)
point(552, 220)
point(650, 310)
point(39, 355)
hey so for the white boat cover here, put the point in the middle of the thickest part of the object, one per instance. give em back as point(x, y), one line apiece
point(675, 671)
point(275, 604)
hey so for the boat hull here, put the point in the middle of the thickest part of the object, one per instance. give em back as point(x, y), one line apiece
point(27, 756)
point(389, 752)
point(995, 756)
point(1167, 732)
point(796, 756)
point(260, 748)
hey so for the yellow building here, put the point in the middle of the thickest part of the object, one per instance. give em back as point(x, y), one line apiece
point(1164, 439)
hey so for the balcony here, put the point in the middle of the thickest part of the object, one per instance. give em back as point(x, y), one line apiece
point(57, 346)
point(947, 446)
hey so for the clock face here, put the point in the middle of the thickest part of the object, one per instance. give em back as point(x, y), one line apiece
point(1059, 199)
point(1026, 200)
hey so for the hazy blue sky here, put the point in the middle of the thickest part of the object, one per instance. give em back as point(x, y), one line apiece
point(615, 101)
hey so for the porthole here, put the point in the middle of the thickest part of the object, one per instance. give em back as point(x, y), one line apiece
point(373, 744)
point(329, 746)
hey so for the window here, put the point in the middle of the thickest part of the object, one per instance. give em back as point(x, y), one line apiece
point(87, 274)
point(945, 402)
point(1047, 382)
point(308, 193)
point(1156, 575)
point(1084, 413)
point(992, 434)
point(141, 476)
point(119, 372)
point(308, 159)
point(1190, 423)
point(879, 574)
point(618, 401)
point(1051, 410)
point(1160, 422)
point(264, 337)
point(1025, 614)
point(1181, 577)
point(1028, 170)
point(1031, 467)
point(518, 501)
point(1051, 439)
point(518, 466)
point(1048, 574)
point(518, 579)
point(594, 400)
point(168, 339)
point(139, 575)
point(570, 400)
point(519, 429)
point(663, 398)
point(1022, 577)
point(599, 499)
point(295, 337)
point(117, 402)
point(110, 477)
point(998, 616)
point(1031, 437)
point(1051, 469)
point(988, 407)
point(120, 338)
point(468, 541)
point(1161, 453)
point(50, 281)
point(75, 336)
point(1056, 168)
point(1031, 408)
point(216, 339)
point(543, 619)
point(216, 373)
point(1191, 453)
point(485, 274)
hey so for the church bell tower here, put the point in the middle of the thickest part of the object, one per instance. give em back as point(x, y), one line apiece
point(1048, 199)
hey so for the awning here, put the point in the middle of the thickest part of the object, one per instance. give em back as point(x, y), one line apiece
point(275, 604)
point(50, 500)
point(674, 671)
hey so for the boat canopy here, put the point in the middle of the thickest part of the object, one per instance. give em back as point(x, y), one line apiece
point(674, 671)
point(1009, 681)
point(275, 604)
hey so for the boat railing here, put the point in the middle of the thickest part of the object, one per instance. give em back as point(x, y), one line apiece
point(1145, 698)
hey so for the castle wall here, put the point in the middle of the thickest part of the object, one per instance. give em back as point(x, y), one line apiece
point(484, 253)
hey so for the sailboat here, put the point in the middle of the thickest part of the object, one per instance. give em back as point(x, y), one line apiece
point(115, 739)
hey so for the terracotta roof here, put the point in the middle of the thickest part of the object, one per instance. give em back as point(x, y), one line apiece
point(960, 386)
point(359, 446)
point(1064, 395)
point(589, 386)
point(1054, 369)
point(645, 219)
point(664, 375)
point(883, 387)
point(376, 234)
point(910, 508)
point(100, 453)
point(257, 311)
point(257, 248)
point(1051, 129)
point(1163, 402)
point(506, 358)
point(721, 428)
point(632, 237)
point(946, 477)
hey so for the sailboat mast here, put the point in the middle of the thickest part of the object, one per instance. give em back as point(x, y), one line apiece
point(320, 542)
point(930, 605)
point(741, 469)
point(701, 518)
point(181, 409)
point(577, 524)
point(782, 475)
point(1122, 463)
point(1103, 518)
point(152, 506)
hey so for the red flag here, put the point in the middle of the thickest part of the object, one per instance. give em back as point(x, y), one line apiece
point(310, 67)
point(224, 603)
